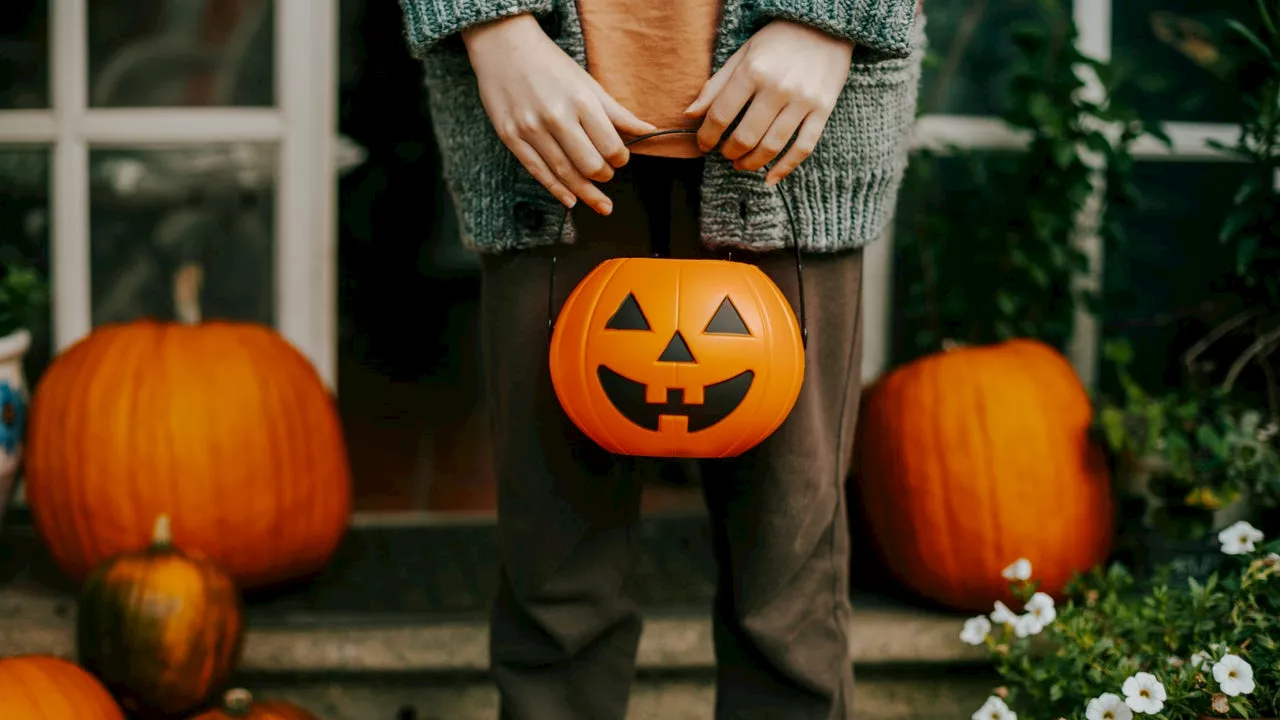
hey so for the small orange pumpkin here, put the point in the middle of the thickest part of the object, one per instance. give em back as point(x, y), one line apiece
point(974, 457)
point(162, 628)
point(41, 687)
point(677, 358)
point(239, 704)
point(223, 426)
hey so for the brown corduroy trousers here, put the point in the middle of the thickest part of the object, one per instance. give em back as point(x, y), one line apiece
point(563, 633)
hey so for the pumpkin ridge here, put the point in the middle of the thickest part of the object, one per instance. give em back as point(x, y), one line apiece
point(135, 416)
point(255, 396)
point(55, 530)
point(317, 422)
point(937, 444)
point(83, 496)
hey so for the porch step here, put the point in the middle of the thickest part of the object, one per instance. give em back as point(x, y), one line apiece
point(938, 697)
point(394, 629)
point(909, 662)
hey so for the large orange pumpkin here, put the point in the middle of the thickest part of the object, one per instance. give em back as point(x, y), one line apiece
point(975, 457)
point(677, 358)
point(161, 627)
point(239, 704)
point(41, 687)
point(223, 426)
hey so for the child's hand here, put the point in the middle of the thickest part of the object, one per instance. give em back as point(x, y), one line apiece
point(559, 122)
point(792, 75)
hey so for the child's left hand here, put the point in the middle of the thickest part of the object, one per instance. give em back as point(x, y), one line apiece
point(792, 75)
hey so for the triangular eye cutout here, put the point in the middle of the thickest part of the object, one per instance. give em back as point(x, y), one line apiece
point(727, 321)
point(628, 316)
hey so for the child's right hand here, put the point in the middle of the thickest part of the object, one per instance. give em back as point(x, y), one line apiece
point(559, 122)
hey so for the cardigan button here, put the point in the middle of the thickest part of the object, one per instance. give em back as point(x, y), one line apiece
point(528, 217)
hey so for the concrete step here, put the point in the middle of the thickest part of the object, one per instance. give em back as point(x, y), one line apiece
point(909, 662)
point(937, 697)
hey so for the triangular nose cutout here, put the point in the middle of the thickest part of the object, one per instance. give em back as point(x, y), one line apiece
point(677, 350)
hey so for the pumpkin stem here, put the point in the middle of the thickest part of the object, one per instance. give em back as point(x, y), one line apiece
point(238, 702)
point(186, 293)
point(162, 535)
point(948, 345)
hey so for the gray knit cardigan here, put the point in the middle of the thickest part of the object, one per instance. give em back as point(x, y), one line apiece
point(843, 195)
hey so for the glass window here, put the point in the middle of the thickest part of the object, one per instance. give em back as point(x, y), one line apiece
point(24, 55)
point(24, 233)
point(162, 218)
point(181, 53)
point(1158, 284)
point(971, 53)
point(1165, 47)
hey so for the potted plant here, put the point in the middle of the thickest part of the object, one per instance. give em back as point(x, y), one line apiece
point(1188, 463)
point(1115, 650)
point(22, 293)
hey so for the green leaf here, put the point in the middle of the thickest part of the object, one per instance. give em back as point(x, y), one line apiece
point(1245, 252)
point(1253, 39)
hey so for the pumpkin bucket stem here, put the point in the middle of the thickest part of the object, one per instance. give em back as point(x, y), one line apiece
point(162, 535)
point(237, 702)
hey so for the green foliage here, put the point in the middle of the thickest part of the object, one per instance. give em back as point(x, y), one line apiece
point(1111, 627)
point(1215, 441)
point(23, 294)
point(1002, 260)
point(1204, 449)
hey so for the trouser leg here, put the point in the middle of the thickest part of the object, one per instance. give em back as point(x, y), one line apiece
point(779, 519)
point(563, 633)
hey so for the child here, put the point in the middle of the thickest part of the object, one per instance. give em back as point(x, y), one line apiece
point(533, 102)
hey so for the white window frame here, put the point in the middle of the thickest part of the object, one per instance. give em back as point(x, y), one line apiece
point(940, 132)
point(302, 127)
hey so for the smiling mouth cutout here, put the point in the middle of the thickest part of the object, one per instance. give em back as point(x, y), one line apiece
point(719, 399)
point(718, 402)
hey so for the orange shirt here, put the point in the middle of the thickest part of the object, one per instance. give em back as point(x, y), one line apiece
point(653, 56)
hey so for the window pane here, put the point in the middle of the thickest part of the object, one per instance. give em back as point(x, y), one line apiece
point(972, 53)
point(955, 230)
point(24, 55)
point(1158, 285)
point(178, 53)
point(158, 214)
point(24, 238)
point(24, 233)
point(1155, 42)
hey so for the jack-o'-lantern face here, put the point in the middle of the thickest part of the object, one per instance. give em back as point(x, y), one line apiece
point(677, 358)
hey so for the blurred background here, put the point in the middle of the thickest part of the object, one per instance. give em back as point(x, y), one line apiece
point(300, 169)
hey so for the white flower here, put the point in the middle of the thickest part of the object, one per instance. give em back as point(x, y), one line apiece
point(1239, 538)
point(1027, 625)
point(1019, 570)
point(1199, 658)
point(1234, 675)
point(1143, 693)
point(975, 630)
point(994, 709)
point(1002, 615)
point(1108, 706)
point(1041, 607)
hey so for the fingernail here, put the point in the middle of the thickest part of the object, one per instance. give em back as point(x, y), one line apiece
point(771, 180)
point(606, 207)
point(569, 200)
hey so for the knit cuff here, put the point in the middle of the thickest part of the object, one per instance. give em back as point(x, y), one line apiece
point(427, 22)
point(880, 25)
